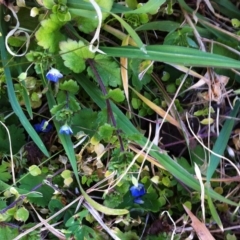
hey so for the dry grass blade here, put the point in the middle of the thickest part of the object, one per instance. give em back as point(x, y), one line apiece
point(96, 215)
point(157, 109)
point(124, 73)
point(200, 228)
point(149, 158)
point(50, 228)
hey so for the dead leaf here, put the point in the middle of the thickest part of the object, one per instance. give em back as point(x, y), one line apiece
point(236, 139)
point(200, 228)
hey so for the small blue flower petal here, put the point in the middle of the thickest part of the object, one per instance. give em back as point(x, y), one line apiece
point(40, 127)
point(138, 200)
point(138, 191)
point(53, 75)
point(65, 129)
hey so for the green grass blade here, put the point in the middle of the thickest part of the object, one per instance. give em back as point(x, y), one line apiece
point(131, 32)
point(126, 126)
point(214, 211)
point(227, 8)
point(170, 26)
point(27, 100)
point(11, 94)
point(221, 142)
point(174, 55)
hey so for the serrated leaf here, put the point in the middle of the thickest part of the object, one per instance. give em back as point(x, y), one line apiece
point(8, 232)
point(54, 206)
point(74, 54)
point(29, 182)
point(71, 86)
point(73, 104)
point(57, 108)
point(108, 69)
point(106, 131)
point(50, 28)
point(4, 174)
point(17, 139)
point(116, 95)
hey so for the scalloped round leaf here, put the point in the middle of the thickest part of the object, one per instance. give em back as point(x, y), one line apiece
point(22, 214)
point(116, 95)
point(99, 149)
point(70, 86)
point(34, 170)
point(88, 25)
point(108, 69)
point(155, 179)
point(106, 131)
point(50, 28)
point(48, 3)
point(14, 191)
point(68, 181)
point(207, 121)
point(22, 76)
point(74, 54)
point(66, 174)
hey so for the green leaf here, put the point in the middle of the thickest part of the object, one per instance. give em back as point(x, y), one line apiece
point(56, 108)
point(54, 206)
point(22, 214)
point(77, 229)
point(108, 69)
point(86, 19)
point(34, 170)
point(150, 7)
point(87, 25)
point(66, 174)
point(221, 142)
point(29, 182)
point(71, 86)
point(74, 54)
point(4, 173)
point(116, 95)
point(50, 28)
point(204, 112)
point(8, 232)
point(85, 120)
point(73, 104)
point(136, 103)
point(17, 139)
point(48, 3)
point(106, 131)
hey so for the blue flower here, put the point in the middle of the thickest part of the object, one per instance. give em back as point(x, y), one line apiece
point(137, 192)
point(138, 200)
point(65, 129)
point(53, 75)
point(44, 126)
